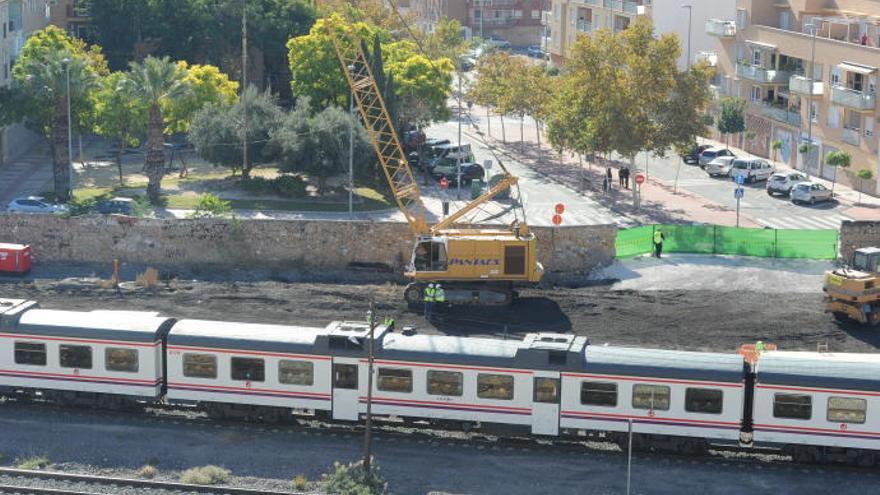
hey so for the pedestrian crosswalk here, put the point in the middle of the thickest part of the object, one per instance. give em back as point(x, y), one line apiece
point(832, 221)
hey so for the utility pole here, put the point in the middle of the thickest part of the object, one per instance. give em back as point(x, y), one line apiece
point(67, 63)
point(458, 160)
point(244, 111)
point(351, 155)
point(690, 11)
point(368, 431)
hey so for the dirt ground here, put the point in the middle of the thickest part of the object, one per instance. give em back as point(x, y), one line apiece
point(691, 320)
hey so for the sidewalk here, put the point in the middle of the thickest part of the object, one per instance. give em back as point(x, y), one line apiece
point(660, 202)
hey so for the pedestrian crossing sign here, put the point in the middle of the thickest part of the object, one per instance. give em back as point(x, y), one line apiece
point(738, 193)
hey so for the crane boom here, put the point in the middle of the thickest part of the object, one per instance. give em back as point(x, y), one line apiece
point(379, 125)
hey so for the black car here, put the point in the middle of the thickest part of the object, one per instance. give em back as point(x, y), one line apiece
point(469, 173)
point(121, 206)
point(693, 156)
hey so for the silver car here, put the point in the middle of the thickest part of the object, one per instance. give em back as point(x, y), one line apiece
point(33, 204)
point(782, 182)
point(712, 153)
point(810, 192)
point(720, 166)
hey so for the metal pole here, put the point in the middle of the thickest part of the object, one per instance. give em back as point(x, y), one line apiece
point(690, 11)
point(69, 130)
point(244, 111)
point(809, 156)
point(351, 155)
point(629, 459)
point(481, 21)
point(458, 159)
point(368, 431)
point(737, 211)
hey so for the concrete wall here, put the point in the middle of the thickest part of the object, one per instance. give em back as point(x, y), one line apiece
point(854, 235)
point(322, 245)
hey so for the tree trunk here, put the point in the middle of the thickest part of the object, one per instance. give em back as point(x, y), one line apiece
point(60, 149)
point(538, 130)
point(522, 141)
point(488, 122)
point(155, 160)
point(503, 131)
point(119, 162)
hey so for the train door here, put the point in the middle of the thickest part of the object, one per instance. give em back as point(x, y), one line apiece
point(345, 389)
point(545, 404)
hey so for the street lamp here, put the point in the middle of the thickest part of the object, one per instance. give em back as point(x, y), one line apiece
point(690, 11)
point(368, 431)
point(813, 29)
point(67, 62)
point(351, 149)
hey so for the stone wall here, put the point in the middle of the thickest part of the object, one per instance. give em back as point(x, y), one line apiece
point(321, 245)
point(855, 235)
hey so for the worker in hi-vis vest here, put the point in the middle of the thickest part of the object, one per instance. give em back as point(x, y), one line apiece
point(659, 237)
point(440, 297)
point(429, 299)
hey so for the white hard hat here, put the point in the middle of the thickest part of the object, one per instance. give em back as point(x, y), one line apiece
point(430, 285)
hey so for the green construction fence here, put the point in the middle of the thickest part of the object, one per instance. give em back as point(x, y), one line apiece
point(820, 244)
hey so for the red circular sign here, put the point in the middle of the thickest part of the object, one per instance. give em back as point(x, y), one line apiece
point(560, 208)
point(557, 219)
point(640, 179)
point(444, 183)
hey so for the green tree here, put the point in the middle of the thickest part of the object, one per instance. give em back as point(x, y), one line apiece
point(118, 25)
point(776, 145)
point(488, 88)
point(732, 117)
point(120, 116)
point(157, 82)
point(837, 159)
point(207, 86)
point(216, 130)
point(863, 175)
point(39, 96)
point(446, 41)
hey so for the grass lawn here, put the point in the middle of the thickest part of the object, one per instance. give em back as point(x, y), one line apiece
point(189, 202)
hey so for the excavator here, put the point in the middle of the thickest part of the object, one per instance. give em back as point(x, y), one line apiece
point(853, 292)
point(475, 265)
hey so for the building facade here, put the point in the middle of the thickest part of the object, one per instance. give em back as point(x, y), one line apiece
point(71, 16)
point(568, 19)
point(517, 21)
point(808, 70)
point(19, 18)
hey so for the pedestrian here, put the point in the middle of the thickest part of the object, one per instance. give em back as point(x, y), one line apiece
point(609, 175)
point(659, 237)
point(864, 39)
point(626, 177)
point(440, 297)
point(605, 184)
point(389, 323)
point(429, 300)
point(620, 174)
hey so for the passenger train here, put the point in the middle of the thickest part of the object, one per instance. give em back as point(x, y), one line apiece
point(816, 407)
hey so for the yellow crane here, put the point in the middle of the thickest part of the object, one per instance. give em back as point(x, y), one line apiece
point(475, 265)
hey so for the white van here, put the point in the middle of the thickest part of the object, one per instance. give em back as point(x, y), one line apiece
point(751, 170)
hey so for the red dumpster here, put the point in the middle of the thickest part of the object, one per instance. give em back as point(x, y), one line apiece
point(15, 258)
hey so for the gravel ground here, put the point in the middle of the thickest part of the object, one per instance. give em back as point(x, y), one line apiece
point(85, 487)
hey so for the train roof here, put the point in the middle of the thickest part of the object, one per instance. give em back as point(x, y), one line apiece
point(132, 326)
point(246, 336)
point(822, 370)
point(661, 363)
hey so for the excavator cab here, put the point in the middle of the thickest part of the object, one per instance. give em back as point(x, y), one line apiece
point(854, 292)
point(430, 255)
point(867, 260)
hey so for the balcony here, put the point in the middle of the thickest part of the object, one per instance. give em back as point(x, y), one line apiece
point(721, 29)
point(780, 113)
point(852, 136)
point(597, 3)
point(801, 85)
point(762, 75)
point(627, 6)
point(708, 57)
point(851, 98)
point(584, 26)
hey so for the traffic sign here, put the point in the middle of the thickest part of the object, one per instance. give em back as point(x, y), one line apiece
point(640, 179)
point(739, 192)
point(557, 219)
point(740, 180)
point(560, 208)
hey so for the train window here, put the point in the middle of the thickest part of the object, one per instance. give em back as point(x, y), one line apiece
point(30, 353)
point(248, 369)
point(599, 394)
point(345, 376)
point(296, 372)
point(792, 406)
point(495, 386)
point(445, 383)
point(703, 400)
point(547, 390)
point(847, 410)
point(651, 397)
point(117, 359)
point(76, 356)
point(395, 380)
point(200, 365)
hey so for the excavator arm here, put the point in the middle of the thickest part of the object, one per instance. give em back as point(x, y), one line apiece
point(506, 183)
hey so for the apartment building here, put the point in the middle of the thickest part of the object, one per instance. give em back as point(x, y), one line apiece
point(808, 69)
point(19, 18)
point(569, 19)
point(71, 16)
point(517, 21)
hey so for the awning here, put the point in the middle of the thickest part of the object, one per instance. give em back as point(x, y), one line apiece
point(761, 46)
point(857, 68)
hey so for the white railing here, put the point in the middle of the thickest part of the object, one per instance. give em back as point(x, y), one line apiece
point(584, 26)
point(707, 56)
point(852, 98)
point(852, 136)
point(801, 84)
point(781, 114)
point(722, 29)
point(761, 74)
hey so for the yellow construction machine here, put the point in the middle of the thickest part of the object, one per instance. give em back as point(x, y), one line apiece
point(475, 265)
point(854, 292)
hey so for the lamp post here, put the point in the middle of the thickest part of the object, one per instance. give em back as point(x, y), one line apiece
point(67, 62)
point(244, 112)
point(690, 12)
point(458, 160)
point(368, 431)
point(351, 149)
point(813, 28)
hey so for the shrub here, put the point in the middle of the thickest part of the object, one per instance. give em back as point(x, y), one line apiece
point(290, 186)
point(259, 185)
point(148, 471)
point(300, 482)
point(210, 206)
point(205, 475)
point(350, 479)
point(84, 206)
point(37, 462)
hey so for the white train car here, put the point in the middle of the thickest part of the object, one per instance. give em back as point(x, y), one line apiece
point(674, 399)
point(95, 357)
point(820, 406)
point(249, 370)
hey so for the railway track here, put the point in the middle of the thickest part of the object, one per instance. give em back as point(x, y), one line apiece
point(25, 482)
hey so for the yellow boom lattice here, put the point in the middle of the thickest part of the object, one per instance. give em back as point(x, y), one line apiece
point(377, 121)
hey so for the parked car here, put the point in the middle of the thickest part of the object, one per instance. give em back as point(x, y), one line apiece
point(469, 173)
point(450, 150)
point(810, 192)
point(428, 151)
point(497, 42)
point(536, 51)
point(782, 182)
point(34, 204)
point(692, 157)
point(122, 206)
point(720, 166)
point(751, 170)
point(709, 154)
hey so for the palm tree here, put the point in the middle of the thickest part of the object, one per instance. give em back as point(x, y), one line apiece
point(837, 159)
point(863, 175)
point(776, 145)
point(156, 81)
